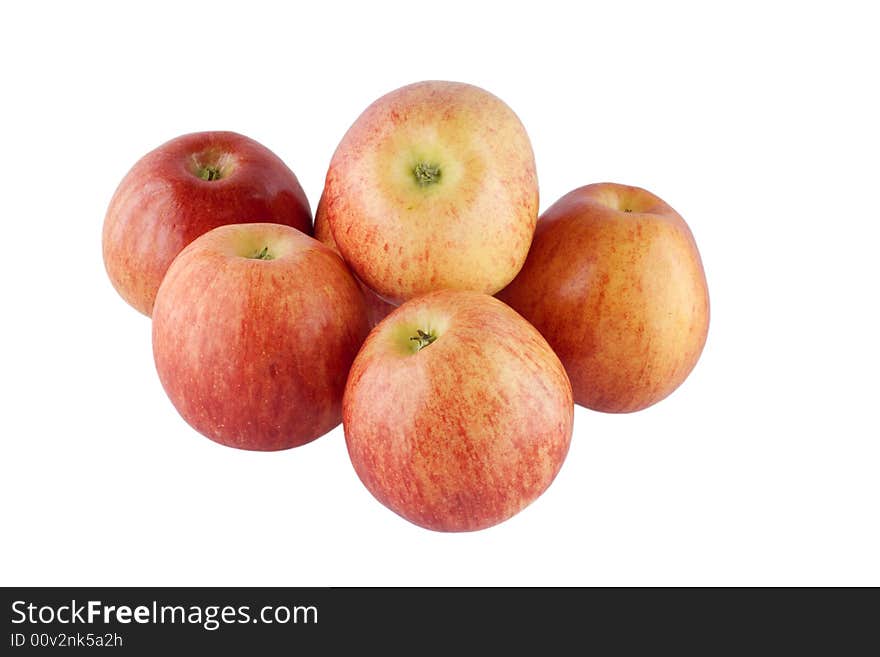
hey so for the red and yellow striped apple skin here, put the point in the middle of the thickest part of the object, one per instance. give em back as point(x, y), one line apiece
point(377, 307)
point(254, 354)
point(161, 206)
point(471, 230)
point(466, 432)
point(615, 283)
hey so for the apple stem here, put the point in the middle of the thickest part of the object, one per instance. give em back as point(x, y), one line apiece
point(263, 254)
point(426, 174)
point(209, 173)
point(424, 338)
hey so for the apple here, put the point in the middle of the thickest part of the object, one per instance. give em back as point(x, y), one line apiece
point(377, 307)
point(457, 414)
point(433, 187)
point(255, 327)
point(615, 283)
point(183, 189)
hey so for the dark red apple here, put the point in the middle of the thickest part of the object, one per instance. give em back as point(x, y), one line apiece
point(255, 327)
point(183, 189)
point(615, 283)
point(457, 413)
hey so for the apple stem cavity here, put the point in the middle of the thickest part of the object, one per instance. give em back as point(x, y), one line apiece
point(209, 173)
point(263, 254)
point(426, 174)
point(423, 339)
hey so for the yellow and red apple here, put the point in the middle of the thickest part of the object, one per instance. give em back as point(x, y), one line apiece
point(183, 189)
point(615, 283)
point(433, 187)
point(457, 413)
point(255, 327)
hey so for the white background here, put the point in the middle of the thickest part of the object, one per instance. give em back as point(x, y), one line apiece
point(758, 124)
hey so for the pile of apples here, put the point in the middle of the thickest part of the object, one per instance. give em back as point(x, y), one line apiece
point(457, 405)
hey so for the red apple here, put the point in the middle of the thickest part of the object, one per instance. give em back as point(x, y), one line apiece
point(377, 307)
point(183, 189)
point(254, 330)
point(615, 283)
point(457, 413)
point(433, 187)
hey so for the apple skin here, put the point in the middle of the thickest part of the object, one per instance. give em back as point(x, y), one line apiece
point(433, 187)
point(162, 205)
point(615, 283)
point(255, 353)
point(377, 307)
point(466, 431)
